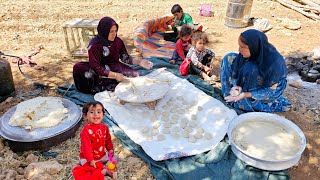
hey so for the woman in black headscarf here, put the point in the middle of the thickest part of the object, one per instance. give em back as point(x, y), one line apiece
point(108, 59)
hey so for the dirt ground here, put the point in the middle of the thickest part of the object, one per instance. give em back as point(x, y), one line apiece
point(27, 24)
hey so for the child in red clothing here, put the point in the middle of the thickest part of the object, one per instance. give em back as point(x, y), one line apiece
point(95, 137)
point(179, 54)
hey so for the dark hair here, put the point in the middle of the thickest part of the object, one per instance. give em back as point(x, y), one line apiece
point(199, 35)
point(176, 8)
point(87, 105)
point(185, 30)
point(243, 40)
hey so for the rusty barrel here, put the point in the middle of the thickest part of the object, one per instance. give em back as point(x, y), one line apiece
point(238, 13)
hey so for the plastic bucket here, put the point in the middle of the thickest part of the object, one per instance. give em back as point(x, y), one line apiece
point(238, 13)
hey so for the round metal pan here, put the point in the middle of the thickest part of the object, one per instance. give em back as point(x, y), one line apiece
point(271, 165)
point(20, 139)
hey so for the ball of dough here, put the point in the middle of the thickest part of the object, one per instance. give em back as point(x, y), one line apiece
point(156, 124)
point(194, 117)
point(167, 125)
point(155, 132)
point(149, 138)
point(183, 125)
point(165, 113)
point(165, 118)
point(166, 130)
point(208, 136)
point(173, 121)
point(200, 108)
point(154, 118)
point(184, 120)
point(189, 129)
point(185, 134)
point(175, 116)
point(175, 134)
point(193, 124)
point(192, 139)
point(198, 135)
point(161, 137)
point(157, 113)
point(200, 130)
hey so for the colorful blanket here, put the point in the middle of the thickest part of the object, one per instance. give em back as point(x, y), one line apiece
point(148, 39)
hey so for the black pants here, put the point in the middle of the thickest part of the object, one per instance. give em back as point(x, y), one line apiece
point(173, 37)
point(193, 69)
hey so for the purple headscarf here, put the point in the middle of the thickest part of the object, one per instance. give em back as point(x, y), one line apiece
point(103, 28)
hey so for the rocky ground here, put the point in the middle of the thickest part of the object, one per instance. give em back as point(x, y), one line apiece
point(27, 24)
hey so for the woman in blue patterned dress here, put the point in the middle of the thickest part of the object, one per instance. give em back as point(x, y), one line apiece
point(254, 79)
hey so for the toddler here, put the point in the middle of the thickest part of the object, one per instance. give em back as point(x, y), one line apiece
point(200, 57)
point(179, 54)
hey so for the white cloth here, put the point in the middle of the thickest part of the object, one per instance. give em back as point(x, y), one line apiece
point(136, 120)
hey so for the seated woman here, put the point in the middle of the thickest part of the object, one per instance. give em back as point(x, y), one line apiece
point(254, 79)
point(104, 69)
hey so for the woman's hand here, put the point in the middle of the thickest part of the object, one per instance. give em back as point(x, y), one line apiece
point(235, 98)
point(235, 91)
point(116, 76)
point(145, 64)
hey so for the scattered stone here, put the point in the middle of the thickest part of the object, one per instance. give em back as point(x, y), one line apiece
point(133, 161)
point(20, 170)
point(19, 177)
point(296, 84)
point(42, 168)
point(15, 163)
point(31, 158)
point(1, 145)
point(10, 174)
point(2, 176)
point(291, 24)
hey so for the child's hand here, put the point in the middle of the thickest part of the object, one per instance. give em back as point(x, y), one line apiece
point(206, 69)
point(93, 163)
point(111, 152)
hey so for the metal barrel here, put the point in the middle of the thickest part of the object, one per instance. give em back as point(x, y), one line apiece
point(238, 13)
point(6, 80)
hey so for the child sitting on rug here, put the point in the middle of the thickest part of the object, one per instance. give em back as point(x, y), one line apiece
point(95, 139)
point(179, 54)
point(200, 57)
point(180, 19)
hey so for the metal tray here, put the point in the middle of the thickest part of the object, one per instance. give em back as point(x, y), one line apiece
point(271, 165)
point(20, 139)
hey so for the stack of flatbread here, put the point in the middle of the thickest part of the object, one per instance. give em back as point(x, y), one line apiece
point(40, 112)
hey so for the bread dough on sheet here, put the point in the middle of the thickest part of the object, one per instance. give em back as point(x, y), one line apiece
point(157, 113)
point(189, 129)
point(175, 116)
point(200, 108)
point(165, 118)
point(185, 134)
point(173, 121)
point(173, 110)
point(155, 132)
point(193, 124)
point(156, 124)
point(161, 137)
point(40, 112)
point(208, 136)
point(180, 98)
point(166, 130)
point(167, 125)
point(149, 138)
point(198, 135)
point(192, 139)
point(175, 134)
point(165, 113)
point(183, 125)
point(199, 130)
point(184, 121)
point(154, 118)
point(193, 117)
